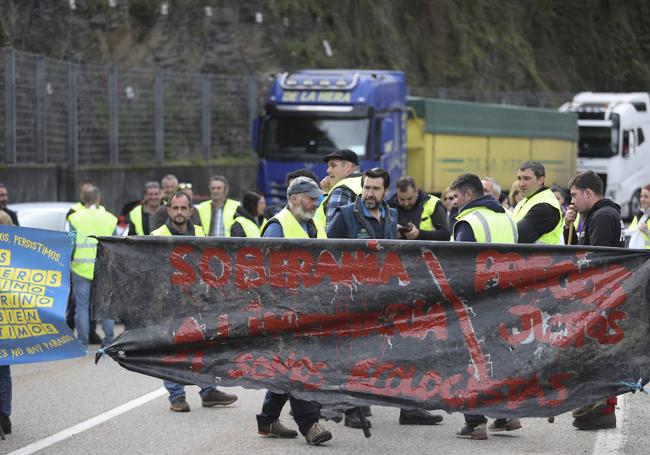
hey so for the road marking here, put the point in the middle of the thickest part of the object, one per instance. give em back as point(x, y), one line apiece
point(611, 442)
point(87, 424)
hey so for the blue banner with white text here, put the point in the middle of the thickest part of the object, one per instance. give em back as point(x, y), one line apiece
point(34, 288)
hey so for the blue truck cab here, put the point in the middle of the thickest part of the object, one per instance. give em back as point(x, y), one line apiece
point(310, 113)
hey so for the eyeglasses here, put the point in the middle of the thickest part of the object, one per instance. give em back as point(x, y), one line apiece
point(184, 186)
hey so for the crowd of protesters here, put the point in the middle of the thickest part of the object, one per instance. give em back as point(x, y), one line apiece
point(349, 203)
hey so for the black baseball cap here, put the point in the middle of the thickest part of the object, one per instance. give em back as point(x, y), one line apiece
point(343, 154)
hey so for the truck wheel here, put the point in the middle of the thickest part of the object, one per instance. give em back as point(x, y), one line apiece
point(635, 204)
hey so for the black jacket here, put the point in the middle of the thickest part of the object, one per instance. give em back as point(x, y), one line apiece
point(603, 225)
point(414, 215)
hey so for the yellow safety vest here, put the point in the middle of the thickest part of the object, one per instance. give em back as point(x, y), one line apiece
point(135, 216)
point(229, 209)
point(251, 229)
point(352, 183)
point(427, 211)
point(164, 231)
point(292, 229)
point(489, 226)
point(633, 227)
point(554, 237)
point(86, 223)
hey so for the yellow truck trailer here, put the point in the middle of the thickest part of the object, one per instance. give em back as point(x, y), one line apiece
point(447, 138)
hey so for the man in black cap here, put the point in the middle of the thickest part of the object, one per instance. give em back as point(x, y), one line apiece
point(344, 179)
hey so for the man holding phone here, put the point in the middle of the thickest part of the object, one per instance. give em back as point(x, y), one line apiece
point(420, 216)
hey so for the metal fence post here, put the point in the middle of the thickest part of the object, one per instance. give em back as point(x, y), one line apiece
point(113, 124)
point(159, 117)
point(252, 103)
point(206, 123)
point(73, 143)
point(41, 115)
point(10, 105)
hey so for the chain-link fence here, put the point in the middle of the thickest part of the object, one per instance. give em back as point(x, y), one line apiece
point(73, 114)
point(61, 112)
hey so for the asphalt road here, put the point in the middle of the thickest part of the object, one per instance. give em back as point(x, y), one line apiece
point(77, 407)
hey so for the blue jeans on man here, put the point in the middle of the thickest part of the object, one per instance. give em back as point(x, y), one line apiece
point(178, 390)
point(305, 413)
point(5, 390)
point(81, 289)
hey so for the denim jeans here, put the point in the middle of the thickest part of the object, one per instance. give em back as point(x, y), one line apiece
point(178, 390)
point(81, 288)
point(5, 390)
point(305, 413)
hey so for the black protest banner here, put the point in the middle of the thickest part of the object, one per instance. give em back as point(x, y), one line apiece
point(505, 330)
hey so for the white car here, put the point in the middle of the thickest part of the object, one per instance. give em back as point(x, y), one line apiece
point(42, 215)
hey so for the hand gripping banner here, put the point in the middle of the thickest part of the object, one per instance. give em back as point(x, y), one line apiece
point(504, 330)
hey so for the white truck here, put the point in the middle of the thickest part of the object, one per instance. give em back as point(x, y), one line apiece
point(612, 129)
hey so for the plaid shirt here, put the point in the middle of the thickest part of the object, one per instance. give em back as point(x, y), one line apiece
point(340, 196)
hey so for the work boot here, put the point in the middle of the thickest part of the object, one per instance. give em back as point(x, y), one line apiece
point(418, 417)
point(596, 422)
point(5, 424)
point(477, 432)
point(94, 338)
point(353, 420)
point(505, 425)
point(276, 429)
point(179, 405)
point(216, 397)
point(317, 435)
point(589, 409)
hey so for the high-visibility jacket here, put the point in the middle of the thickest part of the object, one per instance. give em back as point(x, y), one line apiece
point(555, 236)
point(292, 229)
point(164, 231)
point(85, 223)
point(428, 208)
point(633, 227)
point(489, 226)
point(351, 183)
point(135, 217)
point(250, 227)
point(229, 209)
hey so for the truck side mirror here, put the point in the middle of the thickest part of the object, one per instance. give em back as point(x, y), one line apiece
point(625, 150)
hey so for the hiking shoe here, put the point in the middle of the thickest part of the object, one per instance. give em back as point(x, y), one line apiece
point(216, 397)
point(317, 435)
point(5, 424)
point(418, 417)
point(179, 405)
point(505, 425)
point(596, 422)
point(276, 429)
point(477, 432)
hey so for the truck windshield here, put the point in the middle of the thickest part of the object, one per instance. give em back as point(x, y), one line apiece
point(597, 142)
point(310, 138)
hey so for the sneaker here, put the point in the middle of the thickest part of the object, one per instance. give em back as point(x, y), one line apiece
point(504, 425)
point(353, 420)
point(276, 429)
point(596, 422)
point(317, 435)
point(216, 397)
point(5, 424)
point(477, 432)
point(418, 417)
point(179, 405)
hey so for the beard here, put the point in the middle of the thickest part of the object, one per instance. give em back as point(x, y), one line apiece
point(371, 204)
point(304, 215)
point(179, 220)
